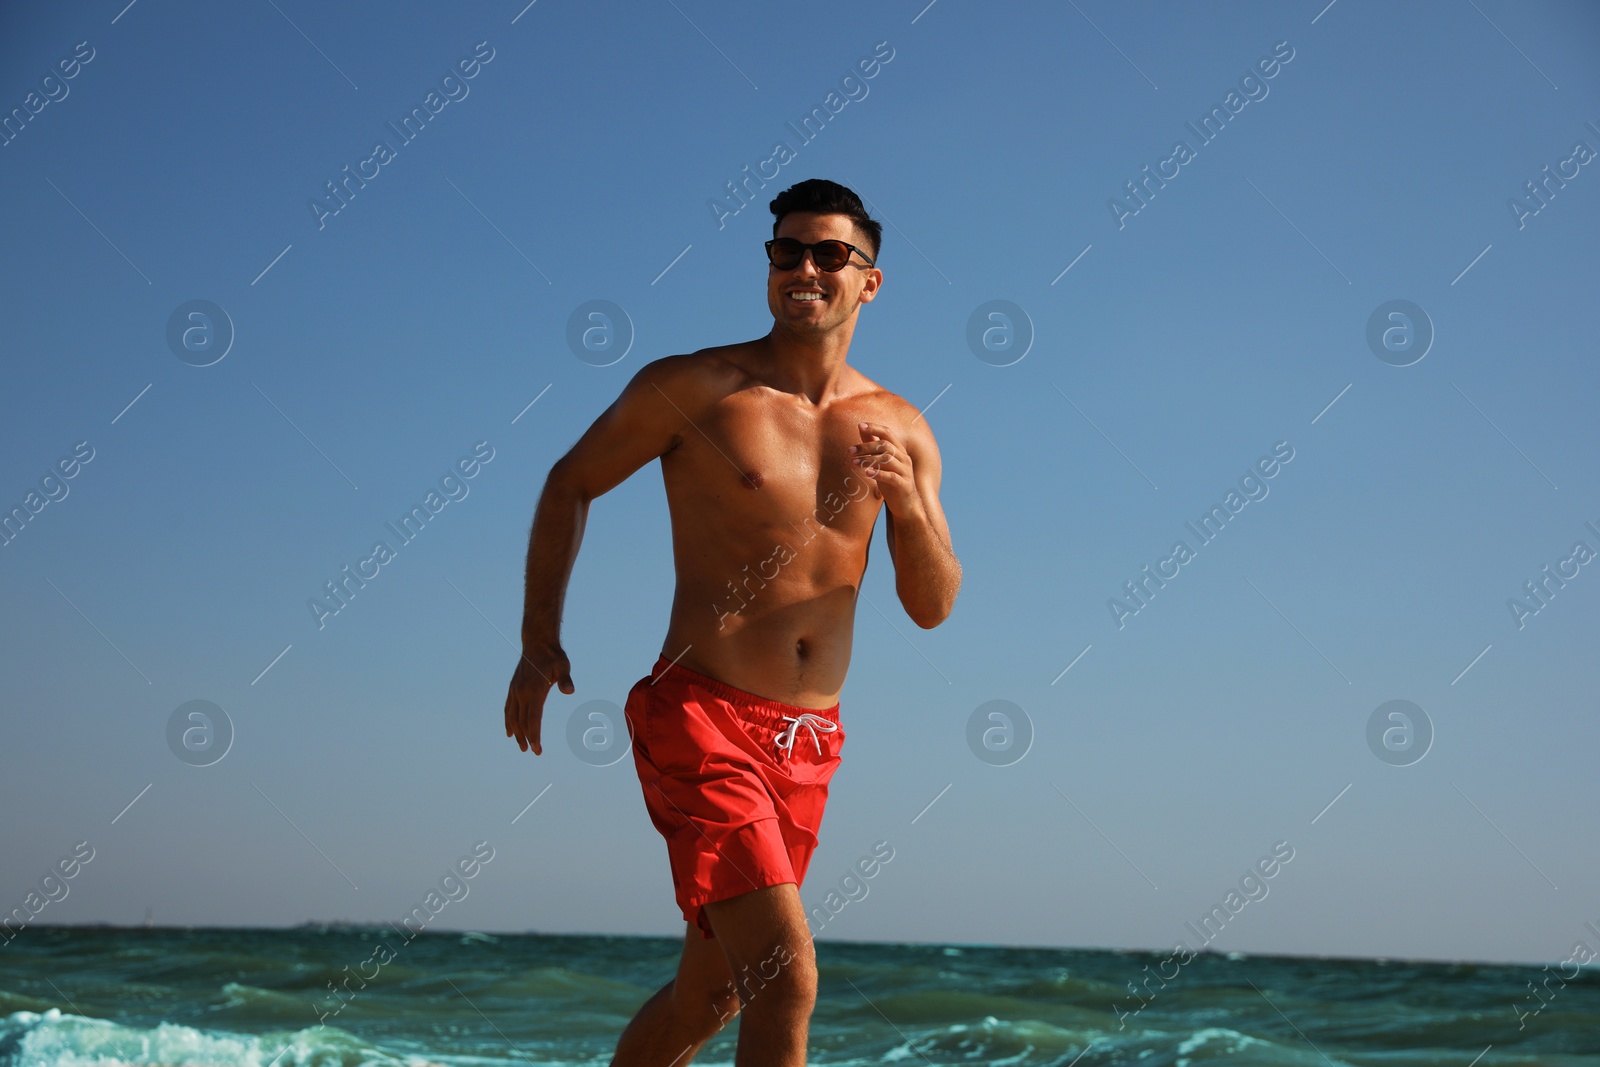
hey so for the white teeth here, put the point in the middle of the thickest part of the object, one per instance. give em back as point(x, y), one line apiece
point(806, 296)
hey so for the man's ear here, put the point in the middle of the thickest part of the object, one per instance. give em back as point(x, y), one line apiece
point(870, 289)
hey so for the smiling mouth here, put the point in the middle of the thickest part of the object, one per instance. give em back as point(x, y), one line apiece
point(806, 297)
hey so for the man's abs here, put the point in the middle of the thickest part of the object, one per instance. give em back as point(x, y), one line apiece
point(791, 651)
point(769, 606)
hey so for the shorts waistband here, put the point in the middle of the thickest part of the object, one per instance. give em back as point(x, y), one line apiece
point(750, 704)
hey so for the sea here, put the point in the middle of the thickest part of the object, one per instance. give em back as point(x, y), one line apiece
point(107, 996)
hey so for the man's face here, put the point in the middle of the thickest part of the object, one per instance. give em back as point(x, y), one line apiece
point(843, 291)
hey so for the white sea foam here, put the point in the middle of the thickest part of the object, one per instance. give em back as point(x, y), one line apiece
point(54, 1039)
point(1237, 1042)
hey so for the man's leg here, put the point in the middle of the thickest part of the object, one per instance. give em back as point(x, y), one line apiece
point(770, 957)
point(683, 1014)
point(762, 938)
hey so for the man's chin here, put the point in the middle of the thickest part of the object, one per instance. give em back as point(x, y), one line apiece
point(808, 326)
point(811, 321)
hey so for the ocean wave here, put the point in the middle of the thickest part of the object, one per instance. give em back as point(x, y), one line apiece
point(557, 983)
point(997, 1042)
point(54, 1039)
point(232, 998)
point(945, 1005)
point(239, 995)
point(1218, 1044)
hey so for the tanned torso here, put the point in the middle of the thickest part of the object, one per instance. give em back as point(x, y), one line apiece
point(771, 524)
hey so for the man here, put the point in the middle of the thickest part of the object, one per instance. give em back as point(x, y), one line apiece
point(777, 457)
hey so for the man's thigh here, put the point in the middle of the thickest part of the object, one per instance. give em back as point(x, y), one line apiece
point(762, 935)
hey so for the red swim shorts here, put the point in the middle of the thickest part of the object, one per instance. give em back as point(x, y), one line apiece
point(735, 782)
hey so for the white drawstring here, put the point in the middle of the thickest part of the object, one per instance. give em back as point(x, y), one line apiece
point(810, 722)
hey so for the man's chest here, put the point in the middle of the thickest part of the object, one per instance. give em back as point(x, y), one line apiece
point(779, 457)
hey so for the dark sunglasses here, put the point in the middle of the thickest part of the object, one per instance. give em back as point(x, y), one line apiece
point(785, 253)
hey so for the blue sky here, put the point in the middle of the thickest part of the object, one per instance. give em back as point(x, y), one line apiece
point(374, 347)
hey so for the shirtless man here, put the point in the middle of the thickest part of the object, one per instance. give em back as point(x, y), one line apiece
point(777, 457)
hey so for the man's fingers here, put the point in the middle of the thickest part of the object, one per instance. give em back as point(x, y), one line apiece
point(878, 452)
point(530, 719)
point(870, 430)
point(530, 687)
point(535, 718)
point(887, 463)
point(514, 713)
point(533, 715)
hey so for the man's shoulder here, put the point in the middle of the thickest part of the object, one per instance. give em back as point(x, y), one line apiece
point(902, 417)
point(885, 403)
point(708, 369)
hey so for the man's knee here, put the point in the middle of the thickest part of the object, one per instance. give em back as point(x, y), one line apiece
point(770, 957)
point(705, 1009)
point(785, 975)
point(725, 1004)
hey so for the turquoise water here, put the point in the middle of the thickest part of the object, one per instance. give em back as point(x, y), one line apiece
point(84, 995)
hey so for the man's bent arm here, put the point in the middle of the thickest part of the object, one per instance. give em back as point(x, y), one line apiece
point(927, 574)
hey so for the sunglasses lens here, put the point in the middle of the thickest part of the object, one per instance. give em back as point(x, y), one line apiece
point(831, 255)
point(785, 253)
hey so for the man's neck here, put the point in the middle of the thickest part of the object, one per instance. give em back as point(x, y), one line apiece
point(813, 366)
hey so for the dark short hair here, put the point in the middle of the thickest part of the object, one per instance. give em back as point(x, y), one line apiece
point(823, 197)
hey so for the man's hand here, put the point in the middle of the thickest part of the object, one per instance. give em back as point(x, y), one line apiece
point(539, 668)
point(883, 459)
